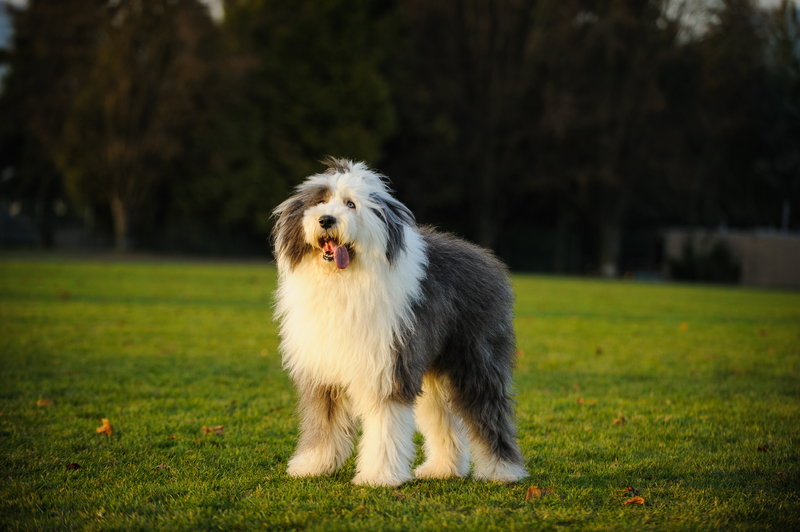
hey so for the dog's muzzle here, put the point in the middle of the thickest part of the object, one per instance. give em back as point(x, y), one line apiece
point(332, 250)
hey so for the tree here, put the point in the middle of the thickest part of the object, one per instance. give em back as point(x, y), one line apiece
point(53, 48)
point(124, 125)
point(319, 84)
point(465, 121)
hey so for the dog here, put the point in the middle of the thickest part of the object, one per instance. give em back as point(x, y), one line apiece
point(387, 323)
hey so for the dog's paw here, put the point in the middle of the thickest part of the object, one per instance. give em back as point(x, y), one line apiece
point(431, 469)
point(502, 472)
point(381, 480)
point(307, 465)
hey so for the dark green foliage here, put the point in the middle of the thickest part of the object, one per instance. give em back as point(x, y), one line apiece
point(716, 265)
point(578, 121)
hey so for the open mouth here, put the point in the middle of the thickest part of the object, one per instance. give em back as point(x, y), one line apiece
point(333, 251)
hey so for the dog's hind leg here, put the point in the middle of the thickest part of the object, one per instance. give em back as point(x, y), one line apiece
point(480, 396)
point(446, 453)
point(386, 447)
point(326, 432)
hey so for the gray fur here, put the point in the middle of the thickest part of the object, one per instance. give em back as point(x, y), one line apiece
point(463, 329)
point(396, 217)
point(288, 236)
point(336, 166)
point(325, 421)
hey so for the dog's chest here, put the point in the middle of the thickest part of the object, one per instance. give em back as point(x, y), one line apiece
point(340, 327)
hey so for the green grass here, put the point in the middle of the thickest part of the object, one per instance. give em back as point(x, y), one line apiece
point(163, 349)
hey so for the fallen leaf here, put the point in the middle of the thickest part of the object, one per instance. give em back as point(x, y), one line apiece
point(218, 430)
point(171, 437)
point(105, 428)
point(635, 500)
point(620, 420)
point(763, 448)
point(684, 326)
point(162, 465)
point(535, 492)
point(44, 402)
point(73, 467)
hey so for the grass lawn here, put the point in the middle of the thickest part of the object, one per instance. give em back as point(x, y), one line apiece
point(667, 389)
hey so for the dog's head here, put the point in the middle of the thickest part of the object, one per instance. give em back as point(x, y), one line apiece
point(345, 214)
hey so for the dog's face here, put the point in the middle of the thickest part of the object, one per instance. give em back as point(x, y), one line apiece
point(343, 215)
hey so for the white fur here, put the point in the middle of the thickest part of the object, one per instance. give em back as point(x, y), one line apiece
point(331, 452)
point(490, 467)
point(337, 327)
point(446, 452)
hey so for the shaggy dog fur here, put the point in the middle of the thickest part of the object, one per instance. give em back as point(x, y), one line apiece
point(386, 322)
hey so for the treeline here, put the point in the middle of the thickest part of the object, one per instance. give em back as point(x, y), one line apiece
point(545, 129)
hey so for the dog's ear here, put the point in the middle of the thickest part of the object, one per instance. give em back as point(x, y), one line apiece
point(396, 217)
point(288, 235)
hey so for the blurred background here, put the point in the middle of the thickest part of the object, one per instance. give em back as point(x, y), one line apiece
point(619, 138)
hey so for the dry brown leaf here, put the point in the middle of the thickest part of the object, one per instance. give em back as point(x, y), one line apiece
point(44, 402)
point(684, 326)
point(534, 492)
point(218, 430)
point(73, 467)
point(763, 448)
point(171, 437)
point(105, 428)
point(620, 420)
point(634, 500)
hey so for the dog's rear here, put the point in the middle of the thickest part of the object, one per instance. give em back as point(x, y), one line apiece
point(462, 349)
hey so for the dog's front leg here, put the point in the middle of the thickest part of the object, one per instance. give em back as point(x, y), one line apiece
point(387, 447)
point(326, 431)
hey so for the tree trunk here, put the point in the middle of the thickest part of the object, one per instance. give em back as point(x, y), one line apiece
point(119, 213)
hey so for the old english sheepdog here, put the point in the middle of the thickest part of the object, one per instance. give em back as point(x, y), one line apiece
point(389, 323)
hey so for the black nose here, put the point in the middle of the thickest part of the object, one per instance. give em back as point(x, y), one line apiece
point(326, 221)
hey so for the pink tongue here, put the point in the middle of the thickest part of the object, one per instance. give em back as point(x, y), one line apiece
point(340, 254)
point(342, 257)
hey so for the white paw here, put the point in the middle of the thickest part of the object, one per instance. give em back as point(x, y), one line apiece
point(431, 469)
point(381, 480)
point(502, 472)
point(307, 465)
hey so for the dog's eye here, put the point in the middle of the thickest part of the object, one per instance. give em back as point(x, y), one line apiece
point(350, 204)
